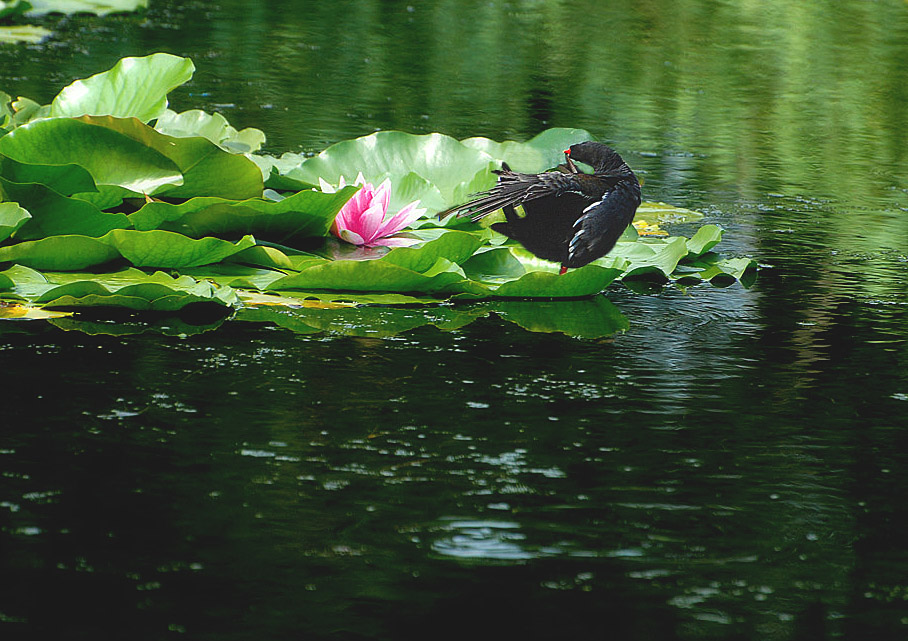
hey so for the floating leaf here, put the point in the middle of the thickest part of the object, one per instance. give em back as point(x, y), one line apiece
point(6, 111)
point(259, 256)
point(719, 271)
point(707, 237)
point(256, 299)
point(307, 213)
point(648, 259)
point(64, 179)
point(12, 217)
point(170, 250)
point(454, 246)
point(130, 288)
point(9, 8)
point(214, 127)
point(236, 275)
point(98, 7)
point(109, 156)
point(442, 162)
point(207, 169)
point(494, 266)
point(53, 214)
point(544, 151)
point(141, 248)
point(371, 276)
point(134, 87)
point(23, 33)
point(60, 252)
point(15, 311)
point(584, 281)
point(656, 213)
point(645, 228)
point(23, 111)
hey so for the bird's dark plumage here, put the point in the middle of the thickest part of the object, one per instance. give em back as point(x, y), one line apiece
point(570, 217)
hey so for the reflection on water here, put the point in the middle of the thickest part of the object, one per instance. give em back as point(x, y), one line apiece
point(729, 487)
point(692, 463)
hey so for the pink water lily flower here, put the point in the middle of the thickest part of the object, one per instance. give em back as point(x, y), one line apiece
point(363, 219)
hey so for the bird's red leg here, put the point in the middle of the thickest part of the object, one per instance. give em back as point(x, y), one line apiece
point(563, 270)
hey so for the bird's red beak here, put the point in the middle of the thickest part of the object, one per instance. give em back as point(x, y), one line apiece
point(570, 163)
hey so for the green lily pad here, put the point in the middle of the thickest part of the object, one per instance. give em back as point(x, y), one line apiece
point(260, 256)
point(23, 33)
point(97, 7)
point(128, 288)
point(213, 127)
point(64, 179)
point(494, 266)
point(60, 252)
point(707, 237)
point(6, 112)
point(238, 276)
point(53, 214)
point(718, 271)
point(662, 213)
point(22, 110)
point(109, 156)
point(170, 250)
point(584, 281)
point(156, 248)
point(454, 246)
point(12, 217)
point(133, 88)
point(10, 8)
point(442, 162)
point(651, 259)
point(371, 276)
point(207, 169)
point(544, 151)
point(307, 213)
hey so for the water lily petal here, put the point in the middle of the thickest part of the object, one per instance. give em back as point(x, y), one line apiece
point(402, 219)
point(348, 215)
point(325, 186)
point(383, 193)
point(371, 220)
point(351, 237)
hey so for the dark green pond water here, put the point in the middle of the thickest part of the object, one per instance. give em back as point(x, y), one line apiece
point(734, 466)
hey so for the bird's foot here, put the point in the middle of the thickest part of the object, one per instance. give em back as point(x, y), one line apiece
point(563, 271)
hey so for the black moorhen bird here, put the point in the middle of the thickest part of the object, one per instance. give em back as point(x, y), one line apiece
point(570, 217)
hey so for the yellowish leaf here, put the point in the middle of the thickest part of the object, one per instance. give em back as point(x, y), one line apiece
point(27, 312)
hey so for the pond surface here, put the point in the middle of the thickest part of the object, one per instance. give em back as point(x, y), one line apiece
point(734, 465)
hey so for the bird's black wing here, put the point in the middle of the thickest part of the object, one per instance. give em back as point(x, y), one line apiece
point(597, 230)
point(514, 188)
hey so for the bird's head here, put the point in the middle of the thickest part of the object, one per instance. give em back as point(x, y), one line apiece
point(602, 158)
